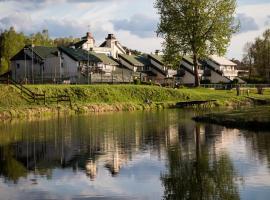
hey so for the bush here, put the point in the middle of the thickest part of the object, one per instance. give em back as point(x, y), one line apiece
point(137, 81)
point(205, 82)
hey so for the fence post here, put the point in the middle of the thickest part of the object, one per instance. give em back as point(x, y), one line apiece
point(44, 98)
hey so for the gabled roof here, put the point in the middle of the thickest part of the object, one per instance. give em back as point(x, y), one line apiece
point(144, 59)
point(187, 69)
point(189, 60)
point(131, 59)
point(41, 51)
point(78, 54)
point(221, 60)
point(79, 44)
point(82, 55)
point(20, 56)
point(103, 44)
point(157, 58)
point(45, 52)
point(104, 58)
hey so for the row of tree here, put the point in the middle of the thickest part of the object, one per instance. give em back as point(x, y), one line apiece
point(257, 57)
point(11, 42)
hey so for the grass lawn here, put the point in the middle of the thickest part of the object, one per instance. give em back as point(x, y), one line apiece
point(255, 118)
point(84, 96)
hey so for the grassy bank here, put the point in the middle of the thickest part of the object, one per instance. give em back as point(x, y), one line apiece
point(257, 118)
point(101, 98)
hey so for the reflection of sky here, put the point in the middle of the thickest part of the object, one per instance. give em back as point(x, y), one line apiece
point(255, 173)
point(139, 178)
point(135, 178)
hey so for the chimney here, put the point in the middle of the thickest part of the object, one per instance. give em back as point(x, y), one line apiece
point(157, 52)
point(89, 35)
point(110, 37)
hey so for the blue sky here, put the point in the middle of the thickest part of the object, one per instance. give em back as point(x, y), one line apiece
point(132, 21)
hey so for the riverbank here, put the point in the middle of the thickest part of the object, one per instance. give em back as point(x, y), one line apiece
point(255, 118)
point(111, 98)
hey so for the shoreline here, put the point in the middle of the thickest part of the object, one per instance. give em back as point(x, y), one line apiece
point(114, 98)
point(254, 119)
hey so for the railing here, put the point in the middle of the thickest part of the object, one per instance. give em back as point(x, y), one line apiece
point(224, 86)
point(25, 91)
point(35, 97)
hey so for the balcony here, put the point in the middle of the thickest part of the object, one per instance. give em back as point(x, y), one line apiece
point(230, 73)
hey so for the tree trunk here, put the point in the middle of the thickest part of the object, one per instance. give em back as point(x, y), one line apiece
point(196, 70)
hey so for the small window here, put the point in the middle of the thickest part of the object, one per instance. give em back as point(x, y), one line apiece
point(18, 66)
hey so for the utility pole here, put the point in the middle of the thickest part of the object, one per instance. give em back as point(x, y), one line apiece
point(32, 65)
point(25, 65)
point(88, 67)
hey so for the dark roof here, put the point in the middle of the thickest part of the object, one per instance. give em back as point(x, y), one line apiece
point(78, 54)
point(103, 44)
point(131, 59)
point(187, 69)
point(45, 52)
point(41, 51)
point(144, 59)
point(157, 58)
point(189, 60)
point(104, 58)
point(20, 56)
point(79, 44)
point(213, 69)
point(82, 55)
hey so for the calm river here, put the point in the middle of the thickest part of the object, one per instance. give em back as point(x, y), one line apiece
point(139, 155)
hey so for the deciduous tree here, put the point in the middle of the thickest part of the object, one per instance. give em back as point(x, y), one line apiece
point(195, 27)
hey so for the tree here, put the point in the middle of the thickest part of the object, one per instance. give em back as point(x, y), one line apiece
point(248, 57)
point(195, 27)
point(10, 43)
point(257, 55)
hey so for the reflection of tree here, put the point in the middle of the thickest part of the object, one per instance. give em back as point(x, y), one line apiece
point(10, 168)
point(261, 145)
point(203, 176)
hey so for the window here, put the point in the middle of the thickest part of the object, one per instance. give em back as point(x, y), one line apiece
point(18, 66)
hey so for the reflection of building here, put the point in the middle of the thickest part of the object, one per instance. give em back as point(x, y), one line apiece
point(114, 162)
point(91, 169)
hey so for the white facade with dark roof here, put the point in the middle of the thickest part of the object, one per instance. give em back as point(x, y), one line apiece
point(225, 66)
point(111, 46)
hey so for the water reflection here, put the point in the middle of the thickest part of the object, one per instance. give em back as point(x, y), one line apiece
point(199, 173)
point(141, 155)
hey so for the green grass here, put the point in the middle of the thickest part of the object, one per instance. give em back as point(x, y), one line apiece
point(255, 118)
point(121, 97)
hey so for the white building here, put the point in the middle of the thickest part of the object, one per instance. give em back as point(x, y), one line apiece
point(186, 73)
point(78, 65)
point(111, 46)
point(36, 64)
point(219, 69)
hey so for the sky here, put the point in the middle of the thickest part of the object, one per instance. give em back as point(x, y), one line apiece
point(134, 22)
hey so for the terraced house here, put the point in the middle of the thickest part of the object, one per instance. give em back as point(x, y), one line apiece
point(84, 62)
point(220, 70)
point(79, 66)
point(36, 64)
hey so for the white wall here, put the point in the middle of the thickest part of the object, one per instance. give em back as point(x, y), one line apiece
point(70, 68)
point(217, 78)
point(188, 78)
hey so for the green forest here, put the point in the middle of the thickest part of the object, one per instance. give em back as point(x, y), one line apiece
point(11, 42)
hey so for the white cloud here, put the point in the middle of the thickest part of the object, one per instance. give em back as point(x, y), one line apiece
point(259, 14)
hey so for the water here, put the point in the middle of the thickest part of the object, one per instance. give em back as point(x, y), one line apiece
point(140, 155)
